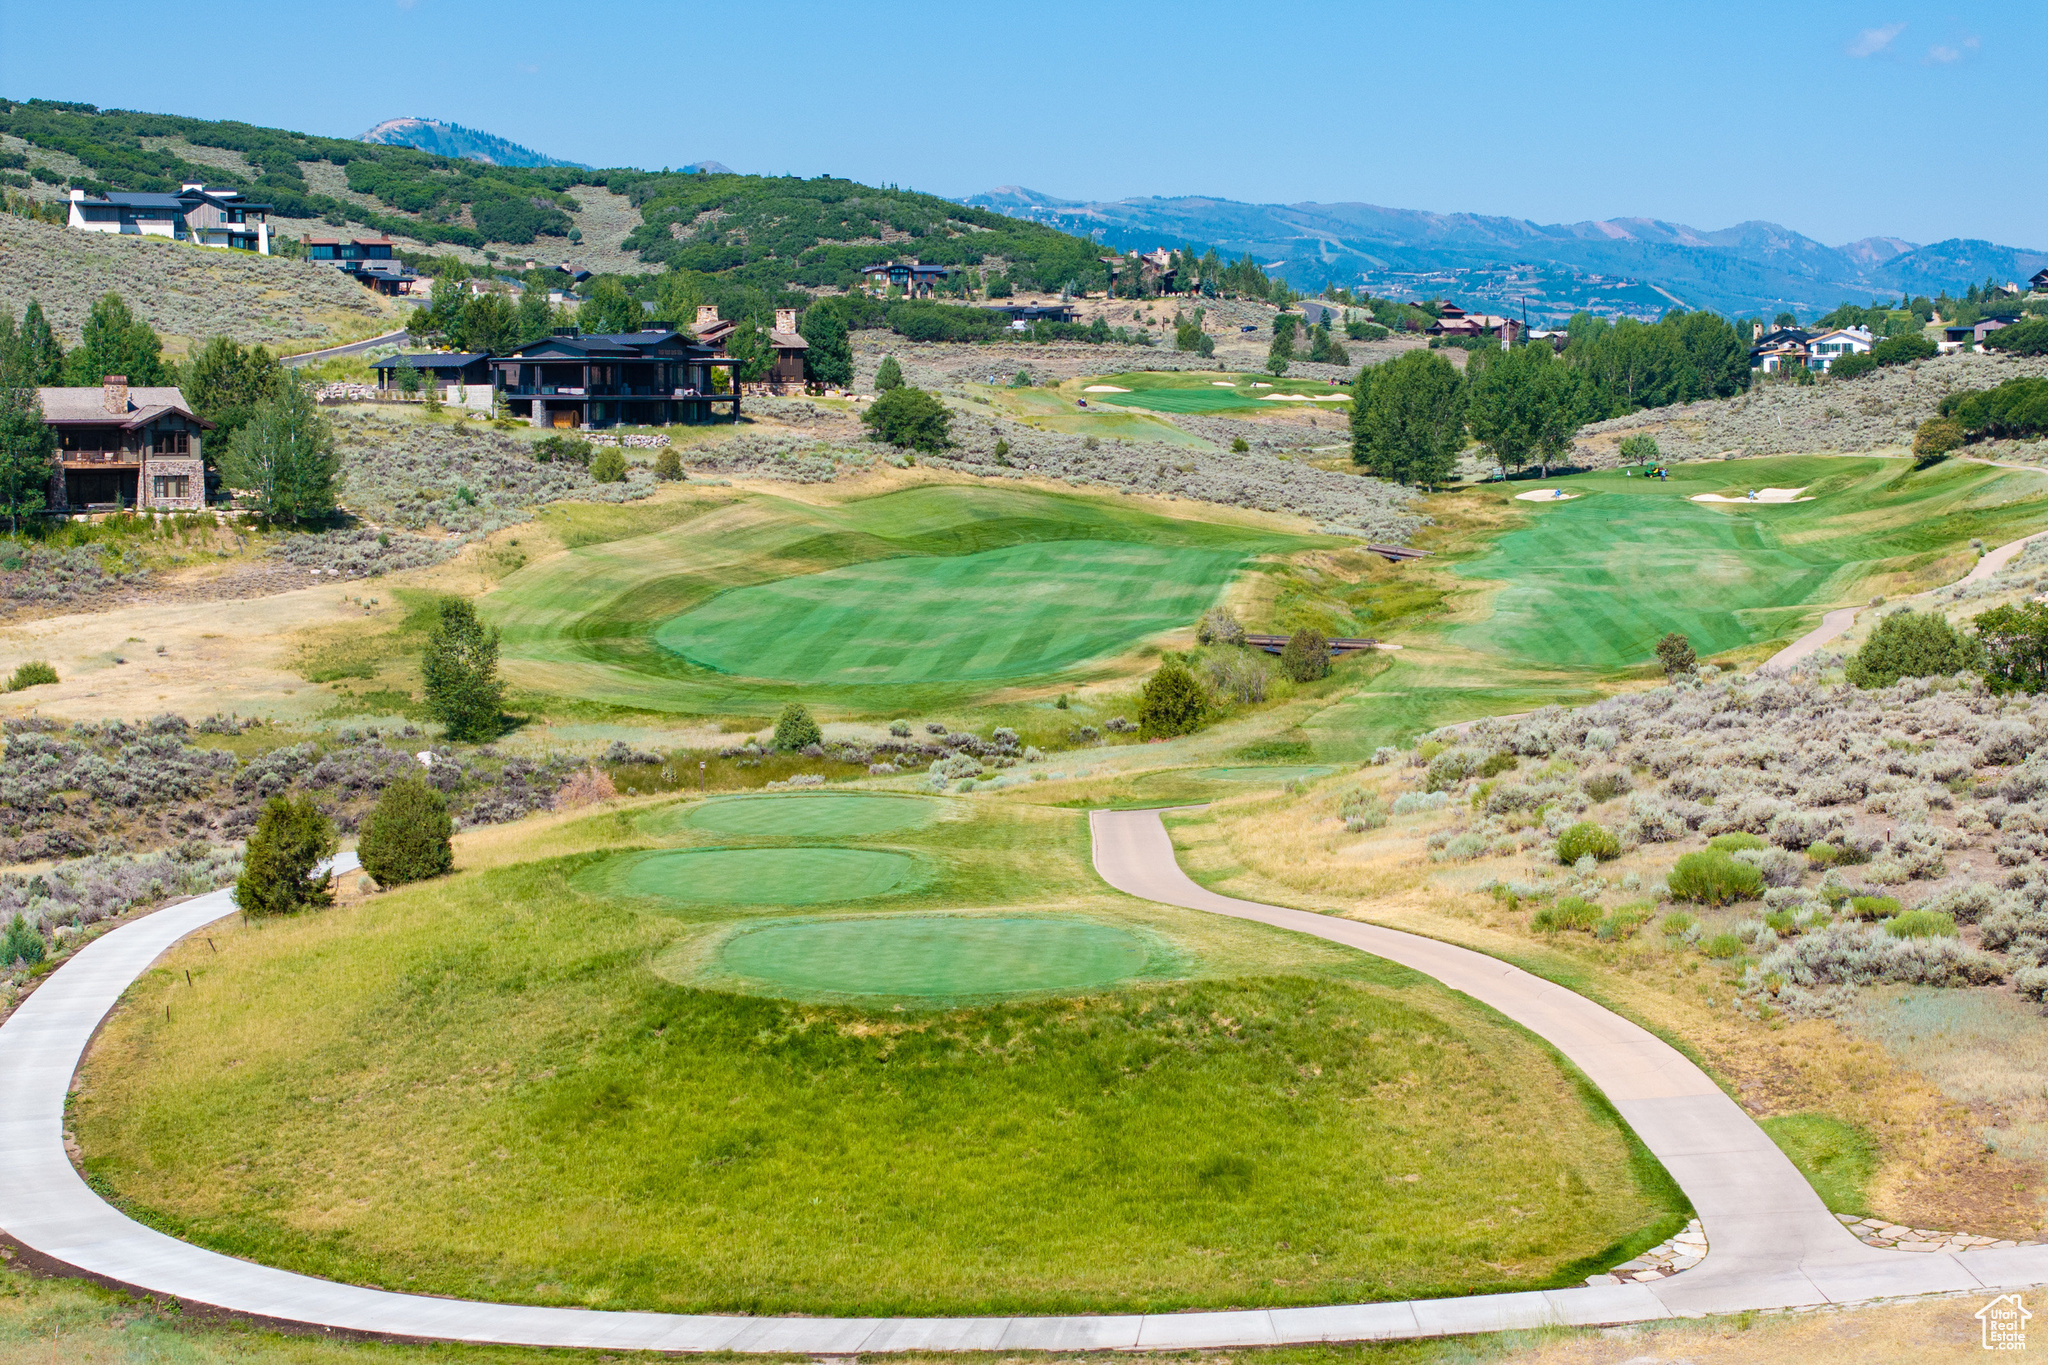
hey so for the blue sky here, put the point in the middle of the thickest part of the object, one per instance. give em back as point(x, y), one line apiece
point(1841, 121)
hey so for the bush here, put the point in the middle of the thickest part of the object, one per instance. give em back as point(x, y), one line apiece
point(1306, 657)
point(1587, 839)
point(889, 375)
point(1713, 877)
point(2014, 639)
point(406, 836)
point(1172, 703)
point(668, 466)
point(2022, 338)
point(1921, 924)
point(1897, 350)
point(1239, 446)
point(1569, 912)
point(1219, 626)
point(1735, 841)
point(1873, 907)
point(1639, 450)
point(795, 731)
point(1675, 655)
point(22, 942)
point(608, 466)
point(909, 419)
point(459, 671)
point(290, 839)
point(1912, 644)
point(1936, 437)
point(1722, 946)
point(567, 449)
point(34, 673)
point(1823, 854)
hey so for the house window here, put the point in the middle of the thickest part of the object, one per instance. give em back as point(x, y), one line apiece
point(167, 486)
point(173, 443)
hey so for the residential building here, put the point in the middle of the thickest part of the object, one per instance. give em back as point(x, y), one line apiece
point(1022, 315)
point(1824, 350)
point(1970, 333)
point(786, 375)
point(1453, 321)
point(120, 447)
point(436, 367)
point(913, 277)
point(370, 261)
point(2039, 284)
point(649, 378)
point(710, 329)
point(204, 215)
point(1775, 350)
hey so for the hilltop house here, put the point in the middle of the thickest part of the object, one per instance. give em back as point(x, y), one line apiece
point(2039, 284)
point(786, 376)
point(1779, 349)
point(1968, 334)
point(120, 447)
point(649, 378)
point(445, 369)
point(1453, 321)
point(1022, 315)
point(370, 261)
point(916, 279)
point(204, 215)
point(1822, 351)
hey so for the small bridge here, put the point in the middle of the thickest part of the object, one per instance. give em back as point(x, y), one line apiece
point(1273, 644)
point(1397, 553)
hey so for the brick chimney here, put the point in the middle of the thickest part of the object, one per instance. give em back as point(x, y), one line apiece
point(707, 313)
point(114, 393)
point(785, 319)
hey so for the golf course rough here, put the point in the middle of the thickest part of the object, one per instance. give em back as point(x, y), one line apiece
point(752, 876)
point(934, 960)
point(830, 815)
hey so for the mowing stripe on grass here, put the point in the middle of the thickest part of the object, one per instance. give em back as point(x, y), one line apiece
point(751, 876)
point(834, 815)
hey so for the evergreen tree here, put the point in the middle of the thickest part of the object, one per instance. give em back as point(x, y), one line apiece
point(225, 383)
point(1283, 340)
point(889, 375)
point(406, 837)
point(534, 319)
point(1414, 422)
point(115, 341)
point(1306, 656)
point(290, 839)
point(28, 448)
point(910, 419)
point(459, 673)
point(1675, 655)
point(285, 455)
point(828, 358)
point(1172, 702)
point(42, 357)
point(488, 323)
point(795, 731)
point(609, 309)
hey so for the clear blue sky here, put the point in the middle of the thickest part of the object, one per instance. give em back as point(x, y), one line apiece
point(1841, 121)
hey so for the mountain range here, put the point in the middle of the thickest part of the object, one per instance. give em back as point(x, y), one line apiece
point(1621, 265)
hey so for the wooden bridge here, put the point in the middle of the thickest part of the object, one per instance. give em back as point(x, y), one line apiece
point(1397, 553)
point(1273, 644)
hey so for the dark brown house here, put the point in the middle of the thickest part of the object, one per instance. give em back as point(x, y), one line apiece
point(651, 378)
point(119, 447)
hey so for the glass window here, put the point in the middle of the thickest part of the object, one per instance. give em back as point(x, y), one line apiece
point(171, 486)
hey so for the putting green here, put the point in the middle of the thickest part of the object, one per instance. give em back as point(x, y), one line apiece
point(1201, 392)
point(1278, 772)
point(1016, 612)
point(751, 876)
point(835, 815)
point(933, 958)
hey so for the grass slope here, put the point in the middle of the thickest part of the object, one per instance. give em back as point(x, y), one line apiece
point(499, 1086)
point(841, 603)
point(1592, 583)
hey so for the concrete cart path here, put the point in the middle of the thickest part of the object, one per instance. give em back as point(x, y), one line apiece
point(1836, 623)
point(1773, 1245)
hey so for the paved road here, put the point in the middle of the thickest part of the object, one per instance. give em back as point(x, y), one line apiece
point(1772, 1243)
point(352, 348)
point(1837, 622)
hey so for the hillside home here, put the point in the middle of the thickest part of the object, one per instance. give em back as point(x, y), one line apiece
point(710, 329)
point(913, 277)
point(650, 378)
point(1775, 350)
point(370, 261)
point(786, 376)
point(444, 368)
point(1969, 334)
point(2039, 284)
point(1822, 351)
point(204, 215)
point(1454, 321)
point(1022, 315)
point(120, 447)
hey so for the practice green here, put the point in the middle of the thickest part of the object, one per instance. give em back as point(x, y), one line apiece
point(1016, 612)
point(931, 957)
point(751, 876)
point(835, 815)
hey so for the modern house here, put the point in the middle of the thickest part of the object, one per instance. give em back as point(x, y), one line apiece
point(1824, 350)
point(650, 378)
point(2039, 284)
point(436, 367)
point(370, 261)
point(204, 215)
point(1778, 349)
point(1022, 315)
point(1970, 333)
point(916, 279)
point(120, 447)
point(1453, 321)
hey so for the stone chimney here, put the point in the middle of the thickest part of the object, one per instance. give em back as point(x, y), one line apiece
point(1756, 331)
point(114, 393)
point(707, 313)
point(785, 319)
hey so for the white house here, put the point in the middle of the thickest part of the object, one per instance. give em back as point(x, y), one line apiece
point(205, 215)
point(1822, 351)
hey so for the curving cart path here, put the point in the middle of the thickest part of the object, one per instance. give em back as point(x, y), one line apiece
point(1773, 1243)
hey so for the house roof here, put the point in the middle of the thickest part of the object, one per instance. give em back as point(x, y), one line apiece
point(88, 406)
point(788, 341)
point(431, 360)
point(139, 201)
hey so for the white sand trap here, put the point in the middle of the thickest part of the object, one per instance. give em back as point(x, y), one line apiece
point(1305, 398)
point(1104, 388)
point(1262, 386)
point(1761, 495)
point(1221, 384)
point(1547, 495)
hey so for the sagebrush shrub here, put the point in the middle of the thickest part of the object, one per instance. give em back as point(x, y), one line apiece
point(1921, 924)
point(1713, 877)
point(406, 837)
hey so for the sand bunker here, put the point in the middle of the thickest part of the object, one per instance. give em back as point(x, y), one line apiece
point(1221, 384)
point(1305, 398)
point(1760, 495)
point(1547, 495)
point(1104, 388)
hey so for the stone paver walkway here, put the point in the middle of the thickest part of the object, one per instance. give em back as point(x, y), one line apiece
point(1773, 1243)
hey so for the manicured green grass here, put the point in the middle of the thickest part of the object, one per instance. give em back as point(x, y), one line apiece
point(1025, 611)
point(1594, 582)
point(501, 1085)
point(1837, 1158)
point(750, 876)
point(1204, 392)
point(826, 815)
point(906, 602)
point(1275, 773)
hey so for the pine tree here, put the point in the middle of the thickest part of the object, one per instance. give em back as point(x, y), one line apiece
point(889, 375)
point(795, 731)
point(115, 341)
point(406, 837)
point(290, 839)
point(42, 355)
point(459, 671)
point(286, 456)
point(1172, 702)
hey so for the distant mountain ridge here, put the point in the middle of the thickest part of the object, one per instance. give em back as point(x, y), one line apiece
point(1753, 267)
point(452, 139)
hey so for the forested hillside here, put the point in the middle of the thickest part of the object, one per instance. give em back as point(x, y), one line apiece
point(758, 232)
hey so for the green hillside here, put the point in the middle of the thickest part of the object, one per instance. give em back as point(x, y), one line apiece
point(758, 231)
